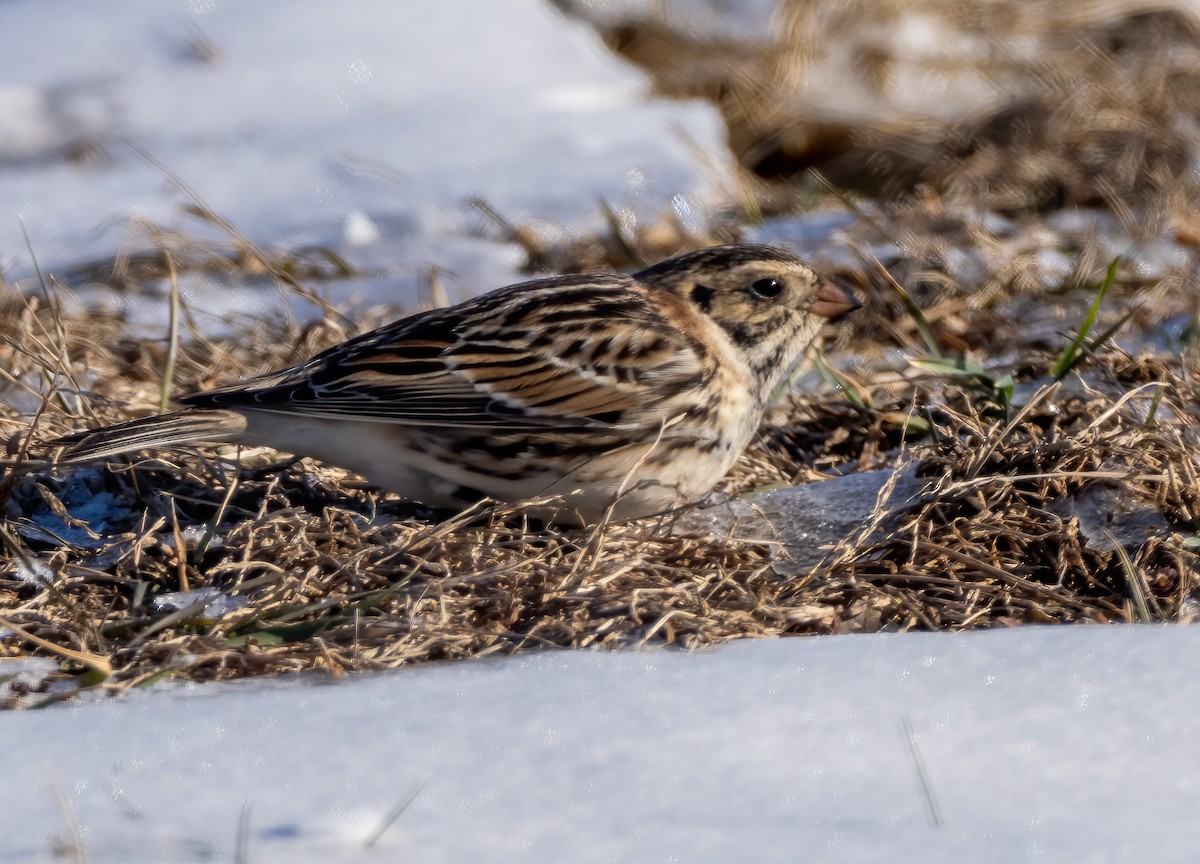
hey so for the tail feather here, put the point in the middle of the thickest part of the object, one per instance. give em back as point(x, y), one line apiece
point(189, 426)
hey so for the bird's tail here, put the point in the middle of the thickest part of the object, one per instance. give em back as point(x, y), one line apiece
point(189, 426)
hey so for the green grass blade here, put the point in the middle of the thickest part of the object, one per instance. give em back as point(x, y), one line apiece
point(854, 395)
point(1069, 357)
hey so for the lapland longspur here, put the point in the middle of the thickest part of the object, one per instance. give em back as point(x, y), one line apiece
point(630, 392)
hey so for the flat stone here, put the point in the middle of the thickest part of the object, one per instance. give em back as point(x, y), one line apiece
point(804, 523)
point(1109, 516)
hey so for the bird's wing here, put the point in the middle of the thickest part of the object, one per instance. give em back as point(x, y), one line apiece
point(555, 354)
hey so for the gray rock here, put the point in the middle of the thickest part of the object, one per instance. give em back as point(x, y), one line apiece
point(1108, 516)
point(804, 523)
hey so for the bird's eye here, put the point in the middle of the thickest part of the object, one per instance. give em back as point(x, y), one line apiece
point(767, 288)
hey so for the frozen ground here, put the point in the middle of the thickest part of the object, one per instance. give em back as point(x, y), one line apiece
point(1040, 744)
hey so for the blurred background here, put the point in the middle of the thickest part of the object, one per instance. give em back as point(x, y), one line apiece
point(990, 148)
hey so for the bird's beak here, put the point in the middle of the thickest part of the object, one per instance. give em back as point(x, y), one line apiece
point(832, 301)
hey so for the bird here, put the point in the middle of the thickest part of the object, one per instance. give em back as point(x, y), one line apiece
point(601, 396)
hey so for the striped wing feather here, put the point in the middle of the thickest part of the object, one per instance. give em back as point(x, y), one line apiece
point(587, 354)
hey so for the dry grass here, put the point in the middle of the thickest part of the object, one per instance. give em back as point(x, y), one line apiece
point(221, 564)
point(1021, 106)
point(1068, 501)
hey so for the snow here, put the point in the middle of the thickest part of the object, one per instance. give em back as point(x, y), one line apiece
point(363, 127)
point(1039, 744)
